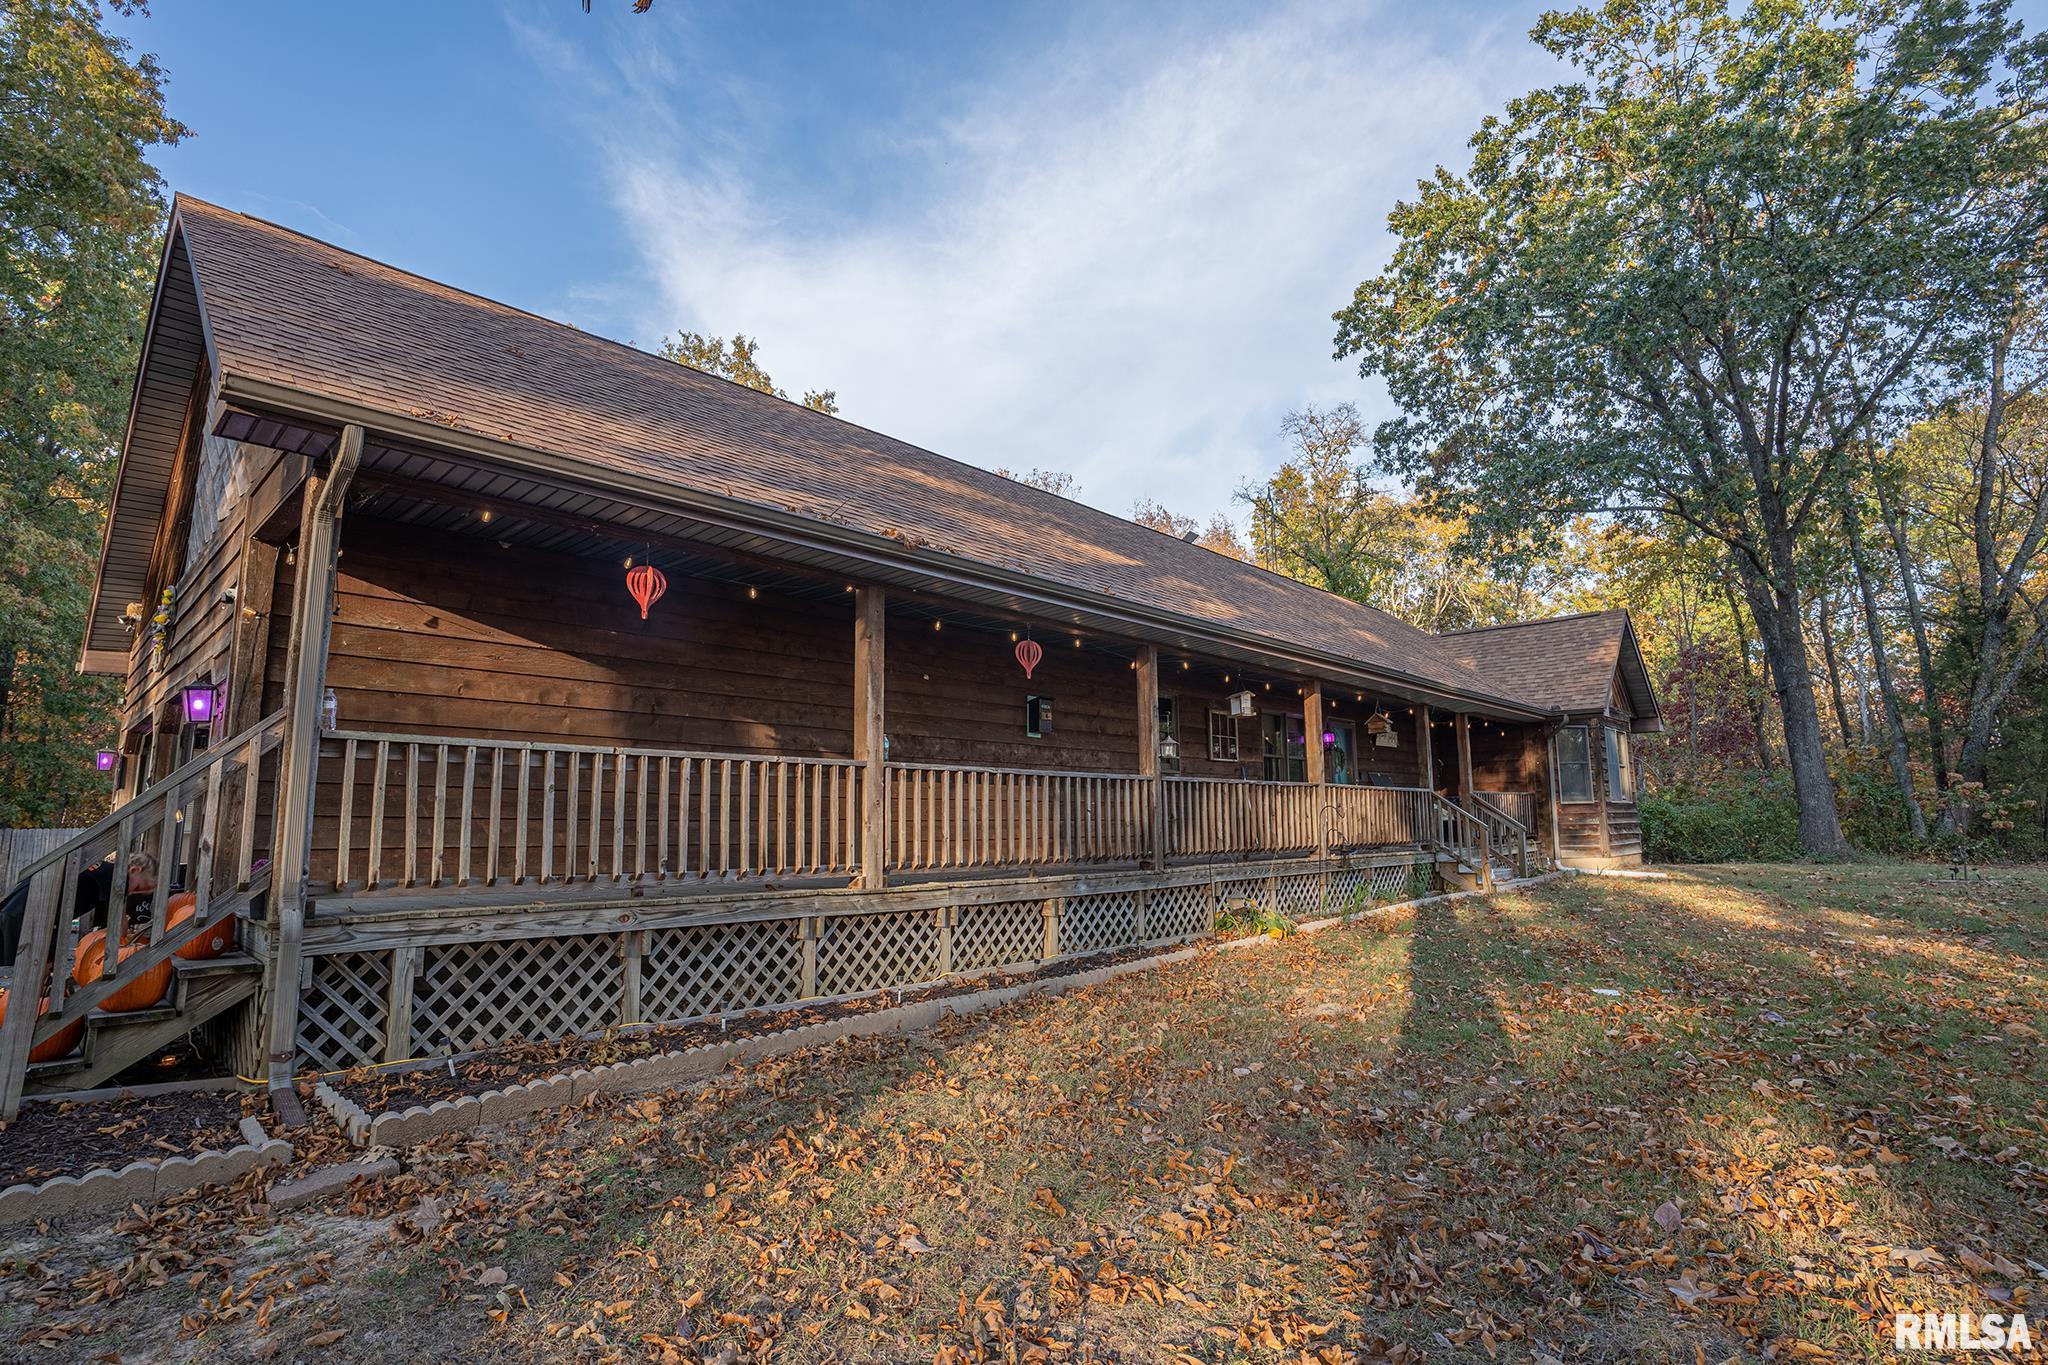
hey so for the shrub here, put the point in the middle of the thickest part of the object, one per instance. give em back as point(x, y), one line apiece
point(1741, 821)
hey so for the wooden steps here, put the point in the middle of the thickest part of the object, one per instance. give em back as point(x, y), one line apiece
point(200, 991)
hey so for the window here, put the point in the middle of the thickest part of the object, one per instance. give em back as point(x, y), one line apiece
point(1574, 765)
point(1222, 737)
point(1037, 717)
point(1621, 775)
point(1284, 751)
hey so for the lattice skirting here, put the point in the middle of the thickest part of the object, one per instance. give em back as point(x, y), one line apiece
point(470, 995)
point(998, 935)
point(1091, 923)
point(868, 952)
point(342, 1010)
point(712, 968)
point(1299, 897)
point(1178, 912)
point(457, 997)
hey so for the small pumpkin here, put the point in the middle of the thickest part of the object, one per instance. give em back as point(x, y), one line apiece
point(215, 939)
point(144, 992)
point(59, 1044)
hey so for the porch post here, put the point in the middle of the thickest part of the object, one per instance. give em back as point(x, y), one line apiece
point(1550, 786)
point(1316, 766)
point(1148, 748)
point(1462, 727)
point(312, 622)
point(1424, 747)
point(869, 630)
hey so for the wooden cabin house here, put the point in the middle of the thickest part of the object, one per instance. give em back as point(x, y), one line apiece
point(497, 680)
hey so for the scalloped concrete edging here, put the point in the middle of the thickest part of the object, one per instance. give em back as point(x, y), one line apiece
point(1316, 926)
point(689, 1066)
point(142, 1182)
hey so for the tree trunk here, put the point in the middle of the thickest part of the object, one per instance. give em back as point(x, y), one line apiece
point(1900, 754)
point(1822, 609)
point(1775, 605)
point(1916, 619)
point(1755, 698)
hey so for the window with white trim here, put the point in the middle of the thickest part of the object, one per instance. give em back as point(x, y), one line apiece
point(1222, 737)
point(1574, 764)
point(1621, 774)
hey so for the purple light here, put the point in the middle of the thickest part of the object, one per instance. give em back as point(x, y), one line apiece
point(104, 760)
point(1329, 738)
point(199, 704)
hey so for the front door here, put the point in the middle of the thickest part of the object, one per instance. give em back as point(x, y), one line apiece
point(1340, 765)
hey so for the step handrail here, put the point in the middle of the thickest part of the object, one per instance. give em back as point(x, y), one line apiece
point(179, 819)
point(1506, 829)
point(1470, 840)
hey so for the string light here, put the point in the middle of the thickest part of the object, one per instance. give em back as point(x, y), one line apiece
point(752, 592)
point(485, 516)
point(938, 625)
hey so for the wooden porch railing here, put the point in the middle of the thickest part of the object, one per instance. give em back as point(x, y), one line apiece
point(944, 817)
point(207, 824)
point(1369, 817)
point(427, 810)
point(1230, 818)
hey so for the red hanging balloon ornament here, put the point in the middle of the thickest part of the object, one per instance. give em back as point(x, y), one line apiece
point(647, 584)
point(1029, 653)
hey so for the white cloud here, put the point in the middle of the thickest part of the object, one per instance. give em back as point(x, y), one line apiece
point(1118, 259)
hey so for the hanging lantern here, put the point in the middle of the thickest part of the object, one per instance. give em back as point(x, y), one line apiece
point(1029, 652)
point(647, 584)
point(104, 760)
point(200, 699)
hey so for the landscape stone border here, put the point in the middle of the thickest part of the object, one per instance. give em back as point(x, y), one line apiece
point(143, 1182)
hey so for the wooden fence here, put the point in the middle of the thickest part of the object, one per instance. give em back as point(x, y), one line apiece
point(20, 847)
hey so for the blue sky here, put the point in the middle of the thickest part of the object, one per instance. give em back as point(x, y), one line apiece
point(1101, 239)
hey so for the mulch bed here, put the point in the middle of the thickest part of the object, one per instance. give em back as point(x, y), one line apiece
point(67, 1137)
point(520, 1062)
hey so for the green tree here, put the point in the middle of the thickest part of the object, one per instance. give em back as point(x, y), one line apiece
point(80, 221)
point(1217, 534)
point(1686, 283)
point(738, 361)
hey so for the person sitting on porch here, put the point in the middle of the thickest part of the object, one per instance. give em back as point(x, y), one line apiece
point(95, 894)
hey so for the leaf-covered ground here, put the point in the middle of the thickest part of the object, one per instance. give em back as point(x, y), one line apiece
point(1740, 1113)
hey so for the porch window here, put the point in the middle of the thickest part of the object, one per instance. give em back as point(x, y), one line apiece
point(1285, 751)
point(1574, 764)
point(1621, 774)
point(1222, 737)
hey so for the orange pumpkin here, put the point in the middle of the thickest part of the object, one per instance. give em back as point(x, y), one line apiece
point(59, 1044)
point(144, 992)
point(215, 939)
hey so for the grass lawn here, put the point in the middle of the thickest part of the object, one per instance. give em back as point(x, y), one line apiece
point(1744, 1112)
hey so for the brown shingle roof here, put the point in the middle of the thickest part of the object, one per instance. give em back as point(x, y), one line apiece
point(1565, 663)
point(286, 309)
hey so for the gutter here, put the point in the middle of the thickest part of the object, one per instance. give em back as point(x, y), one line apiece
point(812, 533)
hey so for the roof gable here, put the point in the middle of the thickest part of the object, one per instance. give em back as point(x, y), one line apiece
point(1568, 664)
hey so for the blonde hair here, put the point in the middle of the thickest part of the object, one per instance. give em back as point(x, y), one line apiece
point(144, 862)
